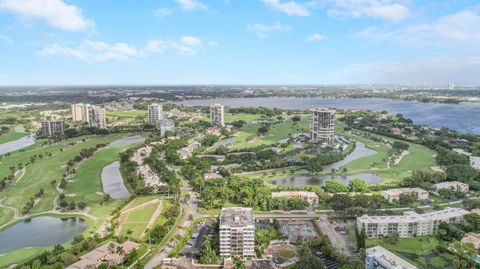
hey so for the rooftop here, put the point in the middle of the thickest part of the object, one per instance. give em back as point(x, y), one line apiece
point(388, 259)
point(236, 216)
point(448, 184)
point(281, 194)
point(411, 216)
point(399, 191)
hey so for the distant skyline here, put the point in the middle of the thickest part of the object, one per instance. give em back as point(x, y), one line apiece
point(187, 42)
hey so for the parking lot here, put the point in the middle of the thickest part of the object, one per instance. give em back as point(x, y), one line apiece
point(194, 244)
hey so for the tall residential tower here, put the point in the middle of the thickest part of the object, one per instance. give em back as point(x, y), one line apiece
point(80, 112)
point(216, 115)
point(96, 117)
point(154, 113)
point(322, 125)
point(237, 232)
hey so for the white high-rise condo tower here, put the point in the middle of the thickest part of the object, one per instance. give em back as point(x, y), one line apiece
point(237, 232)
point(80, 112)
point(154, 113)
point(322, 125)
point(96, 117)
point(52, 127)
point(216, 115)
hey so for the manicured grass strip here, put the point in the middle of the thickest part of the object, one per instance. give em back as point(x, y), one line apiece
point(229, 117)
point(11, 137)
point(137, 220)
point(127, 114)
point(286, 253)
point(20, 255)
point(140, 200)
point(5, 216)
point(277, 132)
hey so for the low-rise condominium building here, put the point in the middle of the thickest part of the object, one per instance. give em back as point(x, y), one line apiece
point(394, 194)
point(410, 224)
point(380, 258)
point(452, 185)
point(309, 196)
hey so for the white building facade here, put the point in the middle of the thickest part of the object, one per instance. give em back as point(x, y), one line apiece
point(452, 185)
point(237, 232)
point(97, 117)
point(322, 125)
point(80, 112)
point(52, 127)
point(410, 224)
point(165, 125)
point(217, 115)
point(155, 113)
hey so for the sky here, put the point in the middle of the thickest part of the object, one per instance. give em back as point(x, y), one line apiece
point(183, 42)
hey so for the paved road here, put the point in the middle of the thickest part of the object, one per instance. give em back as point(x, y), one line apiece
point(340, 242)
point(188, 208)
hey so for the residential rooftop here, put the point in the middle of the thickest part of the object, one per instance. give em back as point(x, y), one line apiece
point(236, 216)
point(411, 216)
point(387, 259)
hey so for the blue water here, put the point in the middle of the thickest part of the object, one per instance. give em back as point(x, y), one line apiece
point(41, 232)
point(461, 117)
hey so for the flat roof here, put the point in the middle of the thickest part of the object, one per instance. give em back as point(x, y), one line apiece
point(399, 191)
point(388, 259)
point(410, 216)
point(236, 216)
point(281, 194)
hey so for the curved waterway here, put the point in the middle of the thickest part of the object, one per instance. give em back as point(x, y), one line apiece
point(15, 145)
point(360, 151)
point(41, 232)
point(462, 117)
point(127, 141)
point(113, 182)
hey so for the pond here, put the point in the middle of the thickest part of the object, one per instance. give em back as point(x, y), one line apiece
point(127, 141)
point(360, 151)
point(320, 180)
point(41, 232)
point(17, 144)
point(113, 182)
point(458, 117)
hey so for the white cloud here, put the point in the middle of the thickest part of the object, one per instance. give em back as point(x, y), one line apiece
point(156, 46)
point(377, 9)
point(264, 30)
point(291, 8)
point(163, 12)
point(94, 51)
point(56, 13)
point(6, 39)
point(191, 5)
point(315, 37)
point(91, 51)
point(185, 45)
point(459, 28)
point(436, 70)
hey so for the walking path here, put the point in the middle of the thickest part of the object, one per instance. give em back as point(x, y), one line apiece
point(154, 217)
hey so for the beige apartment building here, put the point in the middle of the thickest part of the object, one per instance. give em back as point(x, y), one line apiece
point(394, 194)
point(217, 115)
point(309, 196)
point(452, 185)
point(410, 224)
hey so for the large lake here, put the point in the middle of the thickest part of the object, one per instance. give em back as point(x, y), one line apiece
point(461, 117)
point(41, 232)
point(15, 145)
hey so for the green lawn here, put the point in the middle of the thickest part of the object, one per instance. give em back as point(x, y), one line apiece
point(420, 246)
point(11, 136)
point(5, 215)
point(419, 158)
point(140, 200)
point(20, 255)
point(127, 114)
point(41, 173)
point(286, 253)
point(229, 117)
point(248, 135)
point(137, 220)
